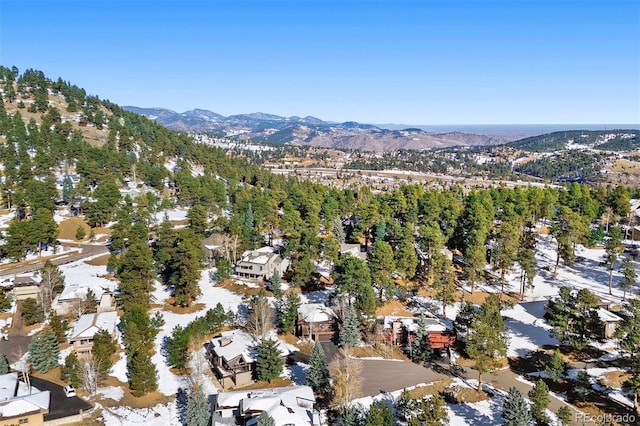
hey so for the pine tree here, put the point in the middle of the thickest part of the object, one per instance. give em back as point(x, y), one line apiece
point(5, 302)
point(421, 350)
point(629, 273)
point(539, 397)
point(269, 364)
point(276, 283)
point(4, 365)
point(379, 415)
point(555, 367)
point(58, 326)
point(31, 311)
point(143, 376)
point(44, 351)
point(564, 415)
point(351, 417)
point(318, 374)
point(465, 318)
point(198, 408)
point(69, 371)
point(103, 347)
point(177, 347)
point(582, 386)
point(265, 420)
point(289, 312)
point(349, 333)
point(487, 339)
point(429, 412)
point(515, 410)
point(613, 249)
point(444, 281)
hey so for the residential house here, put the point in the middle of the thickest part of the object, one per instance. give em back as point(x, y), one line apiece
point(74, 294)
point(355, 250)
point(26, 286)
point(610, 322)
point(215, 246)
point(18, 408)
point(293, 405)
point(261, 264)
point(88, 325)
point(400, 330)
point(316, 322)
point(233, 355)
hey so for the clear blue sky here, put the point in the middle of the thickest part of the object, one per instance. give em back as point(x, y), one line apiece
point(413, 62)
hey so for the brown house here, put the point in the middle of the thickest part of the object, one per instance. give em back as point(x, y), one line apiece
point(401, 330)
point(316, 322)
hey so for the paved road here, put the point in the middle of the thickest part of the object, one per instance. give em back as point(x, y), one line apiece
point(79, 252)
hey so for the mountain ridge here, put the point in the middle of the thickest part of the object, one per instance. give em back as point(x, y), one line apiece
point(310, 131)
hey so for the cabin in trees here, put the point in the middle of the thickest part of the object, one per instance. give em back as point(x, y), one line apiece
point(355, 250)
point(261, 264)
point(401, 330)
point(316, 322)
point(74, 297)
point(88, 325)
point(28, 409)
point(233, 355)
point(292, 405)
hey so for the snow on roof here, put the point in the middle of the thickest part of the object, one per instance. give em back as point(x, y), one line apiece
point(286, 405)
point(411, 323)
point(25, 404)
point(75, 291)
point(8, 385)
point(89, 324)
point(635, 206)
point(607, 316)
point(316, 312)
point(259, 256)
point(233, 343)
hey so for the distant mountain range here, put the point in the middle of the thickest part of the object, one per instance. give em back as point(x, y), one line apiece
point(310, 131)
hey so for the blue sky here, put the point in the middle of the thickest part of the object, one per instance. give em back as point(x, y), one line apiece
point(413, 62)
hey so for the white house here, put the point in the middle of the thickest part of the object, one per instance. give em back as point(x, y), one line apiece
point(291, 405)
point(18, 407)
point(88, 325)
point(261, 264)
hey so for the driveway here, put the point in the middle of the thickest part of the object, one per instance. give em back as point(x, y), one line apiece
point(389, 375)
point(60, 406)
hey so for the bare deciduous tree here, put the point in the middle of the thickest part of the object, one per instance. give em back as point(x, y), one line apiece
point(260, 317)
point(52, 281)
point(347, 384)
point(91, 373)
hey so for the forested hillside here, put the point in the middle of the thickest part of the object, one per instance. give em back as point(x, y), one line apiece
point(613, 140)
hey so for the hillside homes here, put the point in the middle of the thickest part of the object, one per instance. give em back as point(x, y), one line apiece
point(21, 408)
point(316, 322)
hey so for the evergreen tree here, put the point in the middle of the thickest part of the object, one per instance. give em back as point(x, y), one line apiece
point(487, 339)
point(135, 273)
point(276, 284)
point(269, 364)
point(421, 350)
point(289, 312)
point(318, 374)
point(381, 265)
point(31, 311)
point(444, 281)
point(143, 376)
point(379, 415)
point(629, 273)
point(185, 267)
point(223, 269)
point(582, 385)
point(555, 367)
point(58, 326)
point(5, 301)
point(539, 397)
point(198, 408)
point(564, 415)
point(69, 371)
point(265, 420)
point(81, 234)
point(349, 333)
point(44, 351)
point(177, 347)
point(104, 346)
point(515, 410)
point(613, 248)
point(351, 417)
point(429, 412)
point(4, 365)
point(507, 242)
point(465, 318)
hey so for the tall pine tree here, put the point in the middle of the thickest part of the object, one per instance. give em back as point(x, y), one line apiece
point(515, 410)
point(198, 408)
point(44, 351)
point(318, 374)
point(270, 363)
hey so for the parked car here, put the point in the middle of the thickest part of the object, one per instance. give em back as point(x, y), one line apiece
point(69, 391)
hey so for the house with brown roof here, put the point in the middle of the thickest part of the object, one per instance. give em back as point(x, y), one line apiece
point(316, 322)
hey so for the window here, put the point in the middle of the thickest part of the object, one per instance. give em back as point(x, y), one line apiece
point(24, 421)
